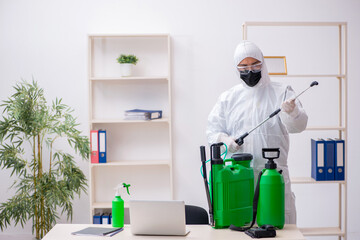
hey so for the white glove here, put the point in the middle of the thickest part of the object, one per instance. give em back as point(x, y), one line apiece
point(290, 107)
point(230, 142)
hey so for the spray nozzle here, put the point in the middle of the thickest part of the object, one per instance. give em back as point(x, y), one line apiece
point(127, 187)
point(314, 83)
point(123, 185)
point(270, 154)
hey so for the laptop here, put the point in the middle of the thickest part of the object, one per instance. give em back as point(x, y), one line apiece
point(157, 217)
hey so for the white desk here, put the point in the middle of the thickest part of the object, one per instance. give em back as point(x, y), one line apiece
point(63, 232)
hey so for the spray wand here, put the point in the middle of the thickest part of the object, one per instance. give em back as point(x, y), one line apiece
point(240, 140)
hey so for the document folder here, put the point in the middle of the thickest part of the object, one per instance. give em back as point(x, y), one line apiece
point(97, 218)
point(102, 146)
point(94, 146)
point(339, 159)
point(106, 218)
point(330, 160)
point(318, 159)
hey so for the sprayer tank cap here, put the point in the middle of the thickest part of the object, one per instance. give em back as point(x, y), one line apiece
point(242, 156)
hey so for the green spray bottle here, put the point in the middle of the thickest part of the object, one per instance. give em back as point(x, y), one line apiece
point(118, 207)
point(271, 205)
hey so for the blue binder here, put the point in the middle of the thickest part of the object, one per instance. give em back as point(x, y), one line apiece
point(106, 218)
point(97, 218)
point(339, 159)
point(318, 159)
point(102, 146)
point(330, 159)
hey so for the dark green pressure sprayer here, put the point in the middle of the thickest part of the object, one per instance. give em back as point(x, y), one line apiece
point(271, 203)
point(231, 188)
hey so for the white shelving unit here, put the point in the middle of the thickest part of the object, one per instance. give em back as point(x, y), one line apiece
point(341, 128)
point(138, 152)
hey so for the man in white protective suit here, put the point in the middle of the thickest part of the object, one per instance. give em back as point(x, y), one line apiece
point(247, 104)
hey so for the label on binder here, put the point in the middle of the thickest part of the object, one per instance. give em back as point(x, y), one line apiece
point(340, 155)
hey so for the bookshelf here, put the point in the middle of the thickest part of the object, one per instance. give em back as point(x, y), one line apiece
point(138, 152)
point(339, 34)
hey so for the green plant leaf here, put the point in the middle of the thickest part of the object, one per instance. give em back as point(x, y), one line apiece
point(127, 59)
point(27, 120)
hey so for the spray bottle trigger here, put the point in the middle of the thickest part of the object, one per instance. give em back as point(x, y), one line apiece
point(127, 187)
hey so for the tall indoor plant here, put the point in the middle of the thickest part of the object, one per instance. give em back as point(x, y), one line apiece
point(47, 179)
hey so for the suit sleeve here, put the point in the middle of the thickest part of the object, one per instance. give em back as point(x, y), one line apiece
point(216, 125)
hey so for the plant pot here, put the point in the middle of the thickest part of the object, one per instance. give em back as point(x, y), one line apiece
point(126, 69)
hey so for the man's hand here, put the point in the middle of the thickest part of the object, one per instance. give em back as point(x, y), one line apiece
point(290, 107)
point(230, 142)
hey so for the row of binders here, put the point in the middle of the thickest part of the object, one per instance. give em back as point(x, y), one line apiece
point(98, 146)
point(102, 218)
point(142, 114)
point(328, 159)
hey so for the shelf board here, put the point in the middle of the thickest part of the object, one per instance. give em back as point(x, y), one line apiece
point(314, 128)
point(310, 76)
point(326, 231)
point(132, 163)
point(106, 205)
point(99, 35)
point(291, 24)
point(120, 79)
point(309, 180)
point(119, 120)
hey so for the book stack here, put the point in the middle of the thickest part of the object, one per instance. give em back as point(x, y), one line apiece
point(141, 114)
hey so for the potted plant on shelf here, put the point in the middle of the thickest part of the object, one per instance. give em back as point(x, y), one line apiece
point(47, 179)
point(126, 64)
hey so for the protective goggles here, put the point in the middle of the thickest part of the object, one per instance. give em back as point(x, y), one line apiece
point(253, 68)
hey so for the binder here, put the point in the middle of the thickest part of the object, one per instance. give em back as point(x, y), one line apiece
point(106, 218)
point(94, 146)
point(339, 159)
point(97, 218)
point(330, 160)
point(142, 114)
point(102, 146)
point(318, 159)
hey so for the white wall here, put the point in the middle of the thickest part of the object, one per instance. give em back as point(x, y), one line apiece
point(47, 40)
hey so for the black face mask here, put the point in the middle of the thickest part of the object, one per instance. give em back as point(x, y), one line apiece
point(251, 78)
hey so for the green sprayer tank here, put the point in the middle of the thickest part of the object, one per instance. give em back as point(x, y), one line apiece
point(271, 205)
point(231, 192)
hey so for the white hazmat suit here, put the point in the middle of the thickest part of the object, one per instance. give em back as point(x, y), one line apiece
point(241, 108)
